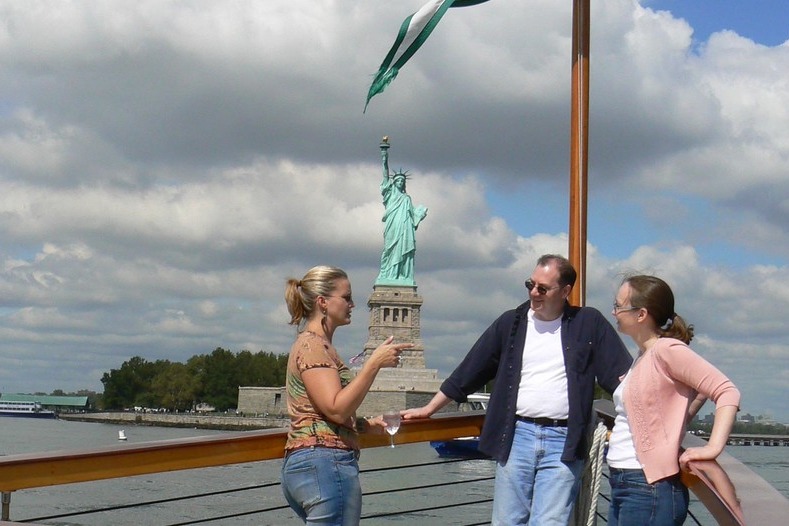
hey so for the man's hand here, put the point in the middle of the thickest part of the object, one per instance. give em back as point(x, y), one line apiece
point(416, 412)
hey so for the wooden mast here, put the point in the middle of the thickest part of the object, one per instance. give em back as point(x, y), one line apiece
point(579, 143)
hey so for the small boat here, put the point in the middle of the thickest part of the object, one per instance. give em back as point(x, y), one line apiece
point(121, 435)
point(25, 409)
point(464, 447)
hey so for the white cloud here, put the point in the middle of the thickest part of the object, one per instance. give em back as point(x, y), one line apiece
point(163, 169)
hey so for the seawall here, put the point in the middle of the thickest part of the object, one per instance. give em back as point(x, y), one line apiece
point(200, 421)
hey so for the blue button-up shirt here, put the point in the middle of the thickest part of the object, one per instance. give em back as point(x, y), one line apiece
point(592, 352)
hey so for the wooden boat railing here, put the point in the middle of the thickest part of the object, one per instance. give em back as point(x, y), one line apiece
point(729, 490)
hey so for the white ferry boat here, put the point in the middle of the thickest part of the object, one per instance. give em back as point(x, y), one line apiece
point(24, 409)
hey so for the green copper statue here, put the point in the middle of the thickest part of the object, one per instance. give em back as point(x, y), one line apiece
point(401, 220)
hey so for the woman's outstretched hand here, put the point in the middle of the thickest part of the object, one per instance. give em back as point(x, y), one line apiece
point(388, 353)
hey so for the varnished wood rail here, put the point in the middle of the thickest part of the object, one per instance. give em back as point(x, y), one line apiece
point(37, 470)
point(732, 493)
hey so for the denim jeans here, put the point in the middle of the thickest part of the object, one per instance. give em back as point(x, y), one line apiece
point(322, 486)
point(635, 502)
point(534, 486)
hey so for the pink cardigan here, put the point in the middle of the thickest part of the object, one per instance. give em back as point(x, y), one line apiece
point(662, 383)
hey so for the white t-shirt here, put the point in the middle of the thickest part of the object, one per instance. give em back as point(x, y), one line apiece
point(621, 450)
point(543, 387)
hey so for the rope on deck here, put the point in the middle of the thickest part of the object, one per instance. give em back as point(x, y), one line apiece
point(585, 511)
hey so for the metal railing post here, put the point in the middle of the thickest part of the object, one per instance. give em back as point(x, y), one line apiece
point(6, 513)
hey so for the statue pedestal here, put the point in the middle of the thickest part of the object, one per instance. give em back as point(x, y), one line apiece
point(395, 311)
point(400, 379)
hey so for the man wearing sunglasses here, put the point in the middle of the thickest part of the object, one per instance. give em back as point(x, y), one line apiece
point(545, 356)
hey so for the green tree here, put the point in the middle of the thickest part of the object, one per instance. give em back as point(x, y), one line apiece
point(196, 366)
point(212, 378)
point(221, 379)
point(174, 387)
point(262, 369)
point(129, 385)
point(248, 373)
point(274, 369)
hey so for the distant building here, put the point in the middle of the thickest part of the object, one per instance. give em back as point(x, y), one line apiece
point(59, 404)
point(747, 418)
point(766, 420)
point(262, 401)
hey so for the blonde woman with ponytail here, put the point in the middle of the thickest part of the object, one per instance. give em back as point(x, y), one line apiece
point(320, 475)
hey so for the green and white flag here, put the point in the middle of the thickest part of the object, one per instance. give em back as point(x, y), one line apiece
point(413, 32)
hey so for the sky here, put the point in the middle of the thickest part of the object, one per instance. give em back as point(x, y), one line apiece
point(166, 166)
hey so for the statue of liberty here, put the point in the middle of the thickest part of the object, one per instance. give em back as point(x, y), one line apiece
point(401, 220)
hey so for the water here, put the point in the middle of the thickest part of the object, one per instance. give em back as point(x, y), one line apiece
point(19, 435)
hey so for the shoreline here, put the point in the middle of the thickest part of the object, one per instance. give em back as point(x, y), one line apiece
point(192, 420)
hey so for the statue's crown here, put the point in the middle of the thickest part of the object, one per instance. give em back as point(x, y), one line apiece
point(401, 174)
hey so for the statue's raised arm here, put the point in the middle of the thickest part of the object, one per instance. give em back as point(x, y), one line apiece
point(385, 157)
point(401, 220)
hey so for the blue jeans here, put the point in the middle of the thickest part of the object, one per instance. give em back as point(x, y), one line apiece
point(534, 486)
point(322, 486)
point(635, 502)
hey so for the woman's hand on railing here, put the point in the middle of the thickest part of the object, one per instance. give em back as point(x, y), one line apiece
point(706, 452)
point(377, 425)
point(373, 425)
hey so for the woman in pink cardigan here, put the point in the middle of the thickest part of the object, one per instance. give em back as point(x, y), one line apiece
point(667, 384)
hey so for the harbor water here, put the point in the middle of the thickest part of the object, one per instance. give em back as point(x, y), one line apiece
point(20, 435)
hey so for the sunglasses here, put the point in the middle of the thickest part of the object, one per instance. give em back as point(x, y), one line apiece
point(541, 290)
point(348, 298)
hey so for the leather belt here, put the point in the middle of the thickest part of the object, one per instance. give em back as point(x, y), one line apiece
point(542, 421)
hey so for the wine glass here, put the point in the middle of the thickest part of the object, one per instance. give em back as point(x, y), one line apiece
point(392, 419)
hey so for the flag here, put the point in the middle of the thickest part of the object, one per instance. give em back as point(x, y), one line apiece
point(413, 32)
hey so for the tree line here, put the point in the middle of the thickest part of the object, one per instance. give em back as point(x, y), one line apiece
point(212, 379)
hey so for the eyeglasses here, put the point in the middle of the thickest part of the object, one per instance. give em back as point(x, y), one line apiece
point(620, 308)
point(348, 298)
point(541, 290)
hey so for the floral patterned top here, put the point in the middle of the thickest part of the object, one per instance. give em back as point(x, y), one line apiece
point(308, 427)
